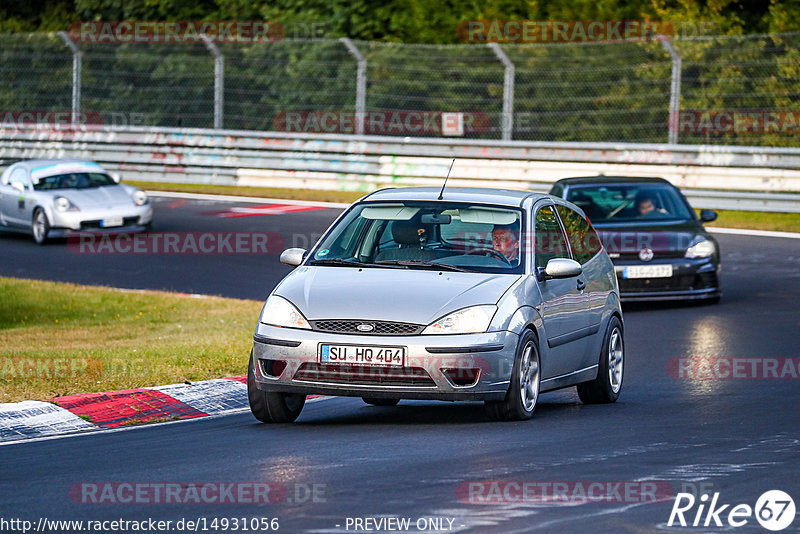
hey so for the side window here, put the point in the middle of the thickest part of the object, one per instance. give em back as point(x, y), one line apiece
point(583, 239)
point(550, 241)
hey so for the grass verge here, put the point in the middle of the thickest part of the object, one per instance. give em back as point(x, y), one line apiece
point(753, 220)
point(63, 339)
point(266, 192)
point(757, 220)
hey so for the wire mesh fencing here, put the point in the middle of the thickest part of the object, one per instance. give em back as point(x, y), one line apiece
point(740, 90)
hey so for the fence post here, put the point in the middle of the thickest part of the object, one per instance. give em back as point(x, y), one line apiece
point(675, 90)
point(361, 83)
point(508, 91)
point(77, 60)
point(219, 81)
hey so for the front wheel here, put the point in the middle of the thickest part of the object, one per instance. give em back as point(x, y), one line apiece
point(608, 384)
point(523, 393)
point(41, 226)
point(272, 407)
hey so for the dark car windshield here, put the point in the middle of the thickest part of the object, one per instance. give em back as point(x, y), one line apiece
point(425, 235)
point(628, 202)
point(73, 180)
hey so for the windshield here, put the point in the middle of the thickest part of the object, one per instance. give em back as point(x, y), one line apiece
point(426, 235)
point(73, 180)
point(628, 202)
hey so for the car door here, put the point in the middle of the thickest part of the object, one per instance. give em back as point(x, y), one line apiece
point(12, 201)
point(563, 306)
point(585, 247)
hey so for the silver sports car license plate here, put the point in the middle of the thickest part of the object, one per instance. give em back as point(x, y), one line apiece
point(362, 354)
point(111, 222)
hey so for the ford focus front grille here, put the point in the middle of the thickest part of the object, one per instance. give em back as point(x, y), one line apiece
point(374, 328)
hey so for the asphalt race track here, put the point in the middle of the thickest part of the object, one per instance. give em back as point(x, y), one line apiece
point(738, 437)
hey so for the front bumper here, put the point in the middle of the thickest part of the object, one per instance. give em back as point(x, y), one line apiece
point(692, 279)
point(134, 219)
point(456, 367)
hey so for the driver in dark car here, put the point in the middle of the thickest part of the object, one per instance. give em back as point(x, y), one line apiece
point(505, 239)
point(646, 207)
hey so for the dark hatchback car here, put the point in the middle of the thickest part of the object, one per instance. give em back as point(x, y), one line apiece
point(658, 244)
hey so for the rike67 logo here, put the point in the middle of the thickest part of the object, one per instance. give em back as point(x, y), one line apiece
point(774, 510)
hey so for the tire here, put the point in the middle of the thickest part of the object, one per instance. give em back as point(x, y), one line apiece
point(40, 226)
point(272, 407)
point(523, 393)
point(608, 384)
point(380, 402)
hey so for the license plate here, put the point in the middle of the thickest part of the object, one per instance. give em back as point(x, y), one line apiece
point(363, 355)
point(647, 271)
point(111, 222)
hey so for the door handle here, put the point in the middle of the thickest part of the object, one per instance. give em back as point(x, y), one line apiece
point(581, 284)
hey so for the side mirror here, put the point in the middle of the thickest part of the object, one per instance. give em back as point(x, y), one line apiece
point(559, 268)
point(117, 177)
point(18, 186)
point(293, 256)
point(708, 215)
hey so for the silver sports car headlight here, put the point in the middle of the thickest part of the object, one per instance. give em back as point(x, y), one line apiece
point(280, 312)
point(63, 204)
point(139, 197)
point(700, 247)
point(473, 320)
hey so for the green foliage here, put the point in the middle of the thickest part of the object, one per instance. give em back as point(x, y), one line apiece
point(410, 21)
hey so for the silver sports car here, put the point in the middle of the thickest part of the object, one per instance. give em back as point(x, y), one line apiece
point(471, 294)
point(53, 198)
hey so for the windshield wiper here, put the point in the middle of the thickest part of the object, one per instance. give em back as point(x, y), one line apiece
point(422, 263)
point(345, 263)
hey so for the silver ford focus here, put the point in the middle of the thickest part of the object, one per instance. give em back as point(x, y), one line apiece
point(53, 198)
point(461, 294)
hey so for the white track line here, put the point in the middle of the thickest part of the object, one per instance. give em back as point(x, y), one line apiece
point(255, 200)
point(756, 233)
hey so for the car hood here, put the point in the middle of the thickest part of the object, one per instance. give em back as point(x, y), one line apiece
point(668, 236)
point(95, 197)
point(401, 295)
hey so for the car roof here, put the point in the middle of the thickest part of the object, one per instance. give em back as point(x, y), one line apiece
point(602, 179)
point(481, 195)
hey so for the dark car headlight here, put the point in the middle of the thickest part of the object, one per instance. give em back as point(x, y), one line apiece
point(700, 247)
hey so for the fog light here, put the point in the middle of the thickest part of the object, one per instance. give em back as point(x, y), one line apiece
point(462, 376)
point(272, 368)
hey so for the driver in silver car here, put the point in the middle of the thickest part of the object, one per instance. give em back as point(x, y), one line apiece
point(505, 239)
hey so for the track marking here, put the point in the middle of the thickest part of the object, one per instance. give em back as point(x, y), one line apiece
point(756, 233)
point(252, 200)
point(264, 209)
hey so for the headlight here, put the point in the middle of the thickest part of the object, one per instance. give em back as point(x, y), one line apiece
point(472, 320)
point(139, 197)
point(63, 204)
point(700, 247)
point(280, 312)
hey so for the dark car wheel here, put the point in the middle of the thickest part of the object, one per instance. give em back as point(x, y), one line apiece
point(523, 393)
point(606, 387)
point(41, 226)
point(272, 407)
point(380, 402)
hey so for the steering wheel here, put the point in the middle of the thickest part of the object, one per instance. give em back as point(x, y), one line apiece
point(490, 252)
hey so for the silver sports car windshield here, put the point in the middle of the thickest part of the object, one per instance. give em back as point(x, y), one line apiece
point(426, 235)
point(73, 180)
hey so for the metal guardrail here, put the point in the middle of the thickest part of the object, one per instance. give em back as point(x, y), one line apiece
point(730, 177)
